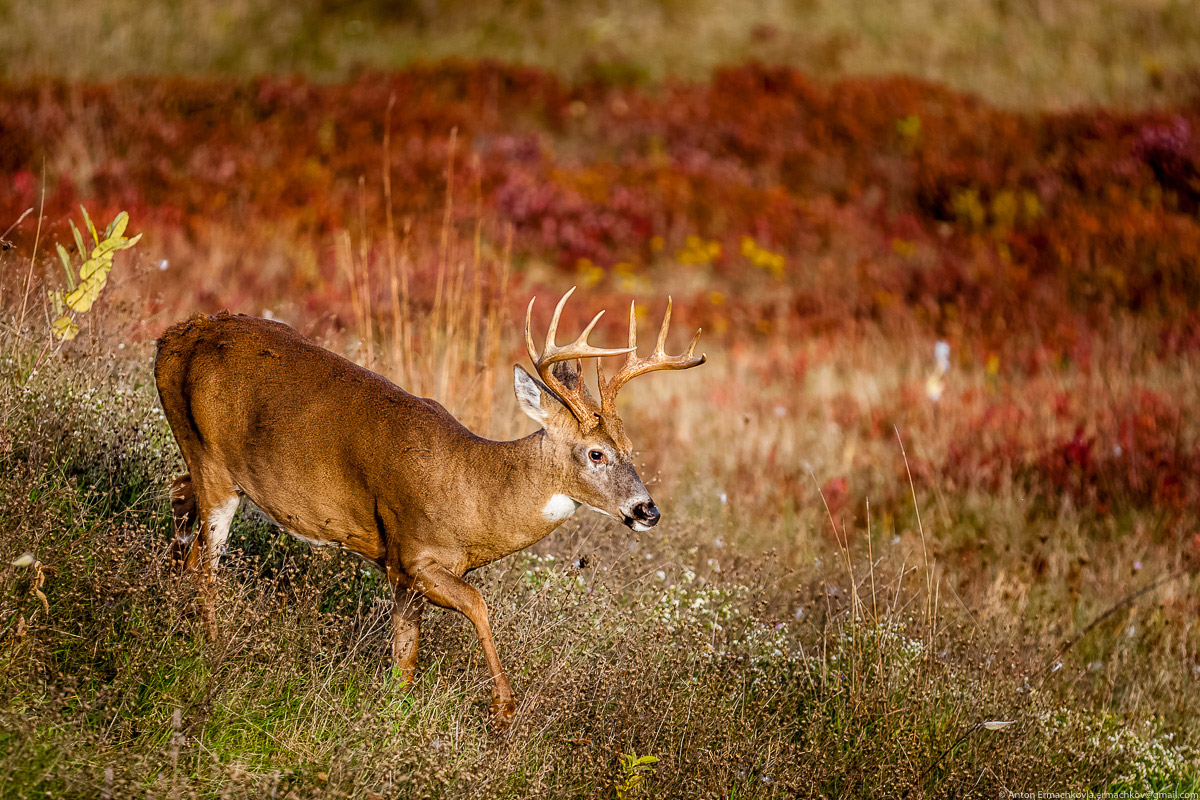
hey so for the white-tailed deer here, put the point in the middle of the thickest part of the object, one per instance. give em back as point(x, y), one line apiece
point(338, 455)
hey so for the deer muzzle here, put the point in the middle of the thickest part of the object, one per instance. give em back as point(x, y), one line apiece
point(643, 516)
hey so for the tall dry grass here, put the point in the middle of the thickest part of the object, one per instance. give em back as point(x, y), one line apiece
point(442, 346)
point(769, 640)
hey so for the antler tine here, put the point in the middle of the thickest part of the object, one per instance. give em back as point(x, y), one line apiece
point(660, 345)
point(690, 353)
point(657, 360)
point(574, 397)
point(553, 329)
point(632, 357)
point(529, 346)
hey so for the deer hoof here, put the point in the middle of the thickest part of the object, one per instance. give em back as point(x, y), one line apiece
point(503, 711)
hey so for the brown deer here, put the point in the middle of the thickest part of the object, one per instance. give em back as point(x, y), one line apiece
point(338, 455)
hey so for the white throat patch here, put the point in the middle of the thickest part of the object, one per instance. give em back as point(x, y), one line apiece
point(559, 508)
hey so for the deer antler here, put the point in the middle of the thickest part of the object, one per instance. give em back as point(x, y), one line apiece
point(574, 397)
point(635, 366)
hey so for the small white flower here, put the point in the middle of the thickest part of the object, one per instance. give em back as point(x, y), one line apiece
point(941, 354)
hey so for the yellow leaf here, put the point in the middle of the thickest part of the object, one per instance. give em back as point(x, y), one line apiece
point(114, 244)
point(82, 298)
point(117, 226)
point(65, 328)
point(110, 246)
point(909, 127)
point(101, 263)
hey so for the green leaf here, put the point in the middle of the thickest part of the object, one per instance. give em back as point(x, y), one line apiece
point(66, 262)
point(78, 239)
point(91, 227)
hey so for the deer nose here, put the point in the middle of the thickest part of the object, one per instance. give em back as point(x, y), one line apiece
point(646, 512)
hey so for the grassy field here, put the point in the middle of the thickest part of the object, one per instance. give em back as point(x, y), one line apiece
point(754, 653)
point(1046, 53)
point(929, 509)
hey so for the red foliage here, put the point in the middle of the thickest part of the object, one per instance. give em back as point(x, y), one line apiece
point(974, 220)
point(1129, 453)
point(895, 204)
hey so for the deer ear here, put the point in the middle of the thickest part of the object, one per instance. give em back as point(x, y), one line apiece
point(531, 396)
point(541, 404)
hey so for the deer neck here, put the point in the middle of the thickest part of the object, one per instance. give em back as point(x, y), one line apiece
point(528, 500)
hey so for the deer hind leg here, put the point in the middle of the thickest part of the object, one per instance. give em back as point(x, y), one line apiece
point(443, 588)
point(406, 630)
point(216, 502)
point(183, 523)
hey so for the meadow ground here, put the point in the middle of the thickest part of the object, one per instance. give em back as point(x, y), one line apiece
point(1019, 53)
point(878, 573)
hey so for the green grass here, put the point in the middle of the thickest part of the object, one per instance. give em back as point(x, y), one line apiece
point(1054, 53)
point(651, 650)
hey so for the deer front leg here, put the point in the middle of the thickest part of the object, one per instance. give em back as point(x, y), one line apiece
point(406, 630)
point(443, 588)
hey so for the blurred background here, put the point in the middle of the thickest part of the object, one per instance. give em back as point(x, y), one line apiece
point(945, 258)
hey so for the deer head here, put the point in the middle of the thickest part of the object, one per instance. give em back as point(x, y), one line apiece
point(586, 439)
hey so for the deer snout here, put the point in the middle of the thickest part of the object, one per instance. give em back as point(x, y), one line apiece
point(643, 516)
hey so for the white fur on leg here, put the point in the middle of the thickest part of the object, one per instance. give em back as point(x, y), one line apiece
point(219, 520)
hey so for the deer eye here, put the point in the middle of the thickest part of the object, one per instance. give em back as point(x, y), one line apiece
point(597, 456)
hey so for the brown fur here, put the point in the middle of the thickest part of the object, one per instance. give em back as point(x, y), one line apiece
point(340, 455)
